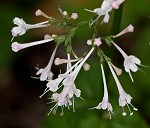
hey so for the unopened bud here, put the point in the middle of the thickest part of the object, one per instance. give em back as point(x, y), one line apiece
point(61, 114)
point(130, 28)
point(86, 66)
point(57, 61)
point(117, 70)
point(74, 16)
point(40, 13)
point(47, 36)
point(89, 42)
point(65, 13)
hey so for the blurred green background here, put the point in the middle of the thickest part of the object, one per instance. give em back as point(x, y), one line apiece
point(20, 105)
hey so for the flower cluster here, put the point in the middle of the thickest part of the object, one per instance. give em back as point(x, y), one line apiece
point(63, 88)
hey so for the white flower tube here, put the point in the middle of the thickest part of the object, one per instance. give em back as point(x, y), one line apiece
point(17, 46)
point(124, 98)
point(46, 73)
point(105, 102)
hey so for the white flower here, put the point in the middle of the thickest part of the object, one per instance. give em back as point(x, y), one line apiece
point(46, 73)
point(105, 102)
point(62, 100)
point(105, 8)
point(130, 62)
point(17, 46)
point(23, 27)
point(124, 98)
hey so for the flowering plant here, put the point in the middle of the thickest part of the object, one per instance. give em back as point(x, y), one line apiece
point(63, 88)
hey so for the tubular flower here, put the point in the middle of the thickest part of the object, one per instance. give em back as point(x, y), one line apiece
point(46, 73)
point(124, 98)
point(23, 27)
point(105, 102)
point(17, 46)
point(105, 8)
point(130, 62)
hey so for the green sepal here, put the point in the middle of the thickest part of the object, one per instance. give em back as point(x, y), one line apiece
point(59, 39)
point(108, 40)
point(57, 25)
point(100, 54)
point(72, 31)
point(69, 49)
point(67, 40)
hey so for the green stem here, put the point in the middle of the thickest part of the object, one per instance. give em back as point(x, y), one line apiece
point(114, 30)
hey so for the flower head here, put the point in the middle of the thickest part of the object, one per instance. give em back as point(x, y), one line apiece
point(23, 27)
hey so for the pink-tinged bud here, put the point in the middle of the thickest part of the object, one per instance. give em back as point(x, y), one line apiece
point(38, 12)
point(74, 16)
point(117, 3)
point(57, 61)
point(117, 70)
point(97, 41)
point(130, 28)
point(47, 36)
point(16, 46)
point(86, 66)
point(89, 42)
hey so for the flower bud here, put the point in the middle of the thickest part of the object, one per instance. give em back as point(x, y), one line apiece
point(74, 16)
point(86, 66)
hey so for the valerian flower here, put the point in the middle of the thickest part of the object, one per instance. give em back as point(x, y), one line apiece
point(46, 73)
point(23, 26)
point(130, 62)
point(105, 102)
point(105, 8)
point(17, 46)
point(124, 98)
